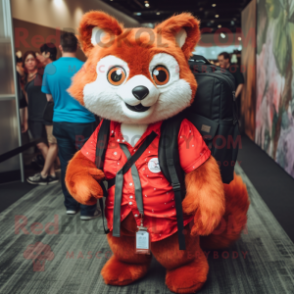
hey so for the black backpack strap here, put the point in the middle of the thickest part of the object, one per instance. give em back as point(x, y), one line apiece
point(169, 161)
point(102, 142)
point(101, 146)
point(106, 231)
point(119, 183)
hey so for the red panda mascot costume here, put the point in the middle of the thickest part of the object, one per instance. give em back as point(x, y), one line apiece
point(137, 78)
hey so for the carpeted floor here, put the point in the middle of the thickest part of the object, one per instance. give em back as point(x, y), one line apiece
point(11, 192)
point(273, 183)
point(262, 261)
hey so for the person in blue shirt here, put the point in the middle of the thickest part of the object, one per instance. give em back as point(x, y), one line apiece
point(72, 123)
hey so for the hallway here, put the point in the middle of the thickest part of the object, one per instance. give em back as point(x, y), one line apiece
point(262, 261)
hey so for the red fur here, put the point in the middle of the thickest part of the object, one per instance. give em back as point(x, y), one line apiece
point(174, 24)
point(136, 47)
point(234, 219)
point(96, 19)
point(205, 197)
point(81, 180)
point(186, 270)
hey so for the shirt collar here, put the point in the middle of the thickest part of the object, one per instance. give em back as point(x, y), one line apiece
point(116, 133)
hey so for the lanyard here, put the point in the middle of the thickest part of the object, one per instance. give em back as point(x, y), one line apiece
point(136, 179)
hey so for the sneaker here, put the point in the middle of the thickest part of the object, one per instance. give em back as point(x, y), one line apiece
point(96, 214)
point(52, 180)
point(71, 212)
point(37, 179)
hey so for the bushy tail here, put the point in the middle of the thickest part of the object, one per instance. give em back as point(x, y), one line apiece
point(234, 220)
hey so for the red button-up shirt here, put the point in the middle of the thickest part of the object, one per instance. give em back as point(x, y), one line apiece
point(158, 197)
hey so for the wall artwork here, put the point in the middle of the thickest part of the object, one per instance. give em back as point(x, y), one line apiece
point(274, 131)
point(248, 57)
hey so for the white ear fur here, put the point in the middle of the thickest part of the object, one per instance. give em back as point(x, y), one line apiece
point(97, 35)
point(181, 37)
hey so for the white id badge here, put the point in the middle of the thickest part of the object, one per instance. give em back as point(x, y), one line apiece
point(142, 242)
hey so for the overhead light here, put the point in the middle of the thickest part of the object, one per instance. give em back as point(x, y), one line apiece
point(222, 35)
point(239, 38)
point(58, 2)
point(147, 4)
point(137, 13)
point(158, 13)
point(219, 26)
point(232, 22)
point(212, 21)
point(213, 5)
point(216, 16)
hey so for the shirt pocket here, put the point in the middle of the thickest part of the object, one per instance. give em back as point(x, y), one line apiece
point(113, 162)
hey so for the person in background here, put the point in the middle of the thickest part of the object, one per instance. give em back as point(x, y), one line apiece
point(36, 101)
point(72, 123)
point(48, 55)
point(224, 62)
point(22, 100)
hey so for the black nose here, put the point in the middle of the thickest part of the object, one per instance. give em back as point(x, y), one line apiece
point(140, 92)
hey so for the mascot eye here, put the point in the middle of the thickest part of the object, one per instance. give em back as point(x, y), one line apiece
point(160, 75)
point(116, 76)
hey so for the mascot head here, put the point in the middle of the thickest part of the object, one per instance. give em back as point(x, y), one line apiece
point(137, 75)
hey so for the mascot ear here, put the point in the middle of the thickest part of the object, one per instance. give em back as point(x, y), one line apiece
point(183, 29)
point(94, 26)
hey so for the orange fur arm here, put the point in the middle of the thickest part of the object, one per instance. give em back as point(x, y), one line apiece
point(81, 180)
point(205, 197)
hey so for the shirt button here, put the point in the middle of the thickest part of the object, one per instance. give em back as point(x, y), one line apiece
point(135, 150)
point(130, 203)
point(115, 153)
point(131, 197)
point(130, 184)
point(136, 215)
point(118, 140)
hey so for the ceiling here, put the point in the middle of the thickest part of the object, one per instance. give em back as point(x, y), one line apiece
point(212, 13)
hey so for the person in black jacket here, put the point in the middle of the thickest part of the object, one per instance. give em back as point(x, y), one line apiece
point(37, 102)
point(47, 175)
point(224, 62)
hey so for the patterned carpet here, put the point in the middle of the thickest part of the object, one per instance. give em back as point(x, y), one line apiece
point(73, 252)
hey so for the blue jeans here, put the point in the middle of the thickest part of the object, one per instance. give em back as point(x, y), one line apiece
point(71, 138)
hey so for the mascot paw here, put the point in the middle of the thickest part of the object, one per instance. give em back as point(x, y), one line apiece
point(205, 222)
point(188, 278)
point(85, 188)
point(118, 273)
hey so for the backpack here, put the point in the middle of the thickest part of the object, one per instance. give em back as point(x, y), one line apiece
point(213, 112)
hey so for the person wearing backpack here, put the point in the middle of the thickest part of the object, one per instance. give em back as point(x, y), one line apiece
point(164, 187)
